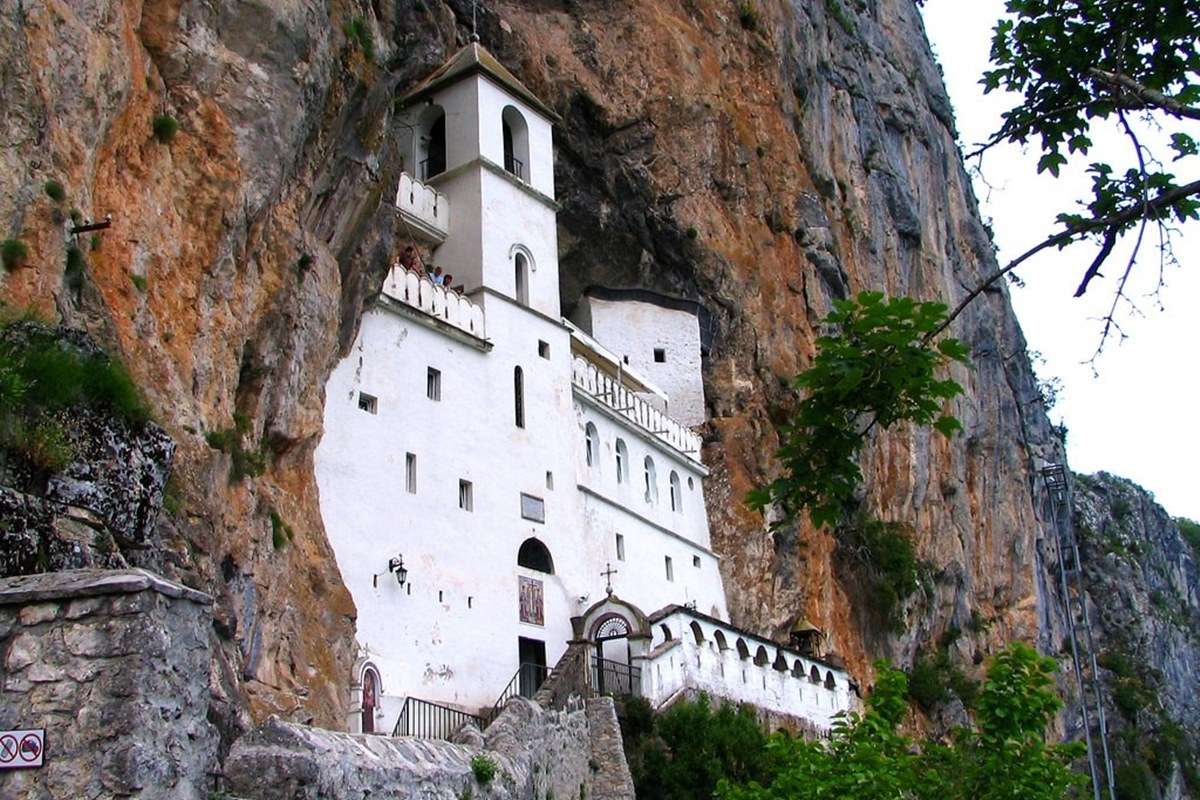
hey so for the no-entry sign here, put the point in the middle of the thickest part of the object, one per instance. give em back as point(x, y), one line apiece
point(22, 749)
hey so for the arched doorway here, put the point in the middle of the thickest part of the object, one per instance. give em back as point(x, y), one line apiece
point(370, 699)
point(613, 675)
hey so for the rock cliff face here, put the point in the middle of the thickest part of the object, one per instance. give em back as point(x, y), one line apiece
point(762, 158)
point(1142, 579)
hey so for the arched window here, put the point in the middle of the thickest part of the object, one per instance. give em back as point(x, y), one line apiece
point(534, 555)
point(622, 461)
point(830, 683)
point(666, 632)
point(760, 656)
point(651, 481)
point(743, 650)
point(780, 663)
point(697, 632)
point(519, 396)
point(431, 143)
point(591, 444)
point(720, 638)
point(798, 670)
point(676, 492)
point(370, 699)
point(814, 674)
point(516, 142)
point(521, 278)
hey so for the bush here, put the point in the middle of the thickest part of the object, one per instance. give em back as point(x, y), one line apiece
point(165, 127)
point(483, 768)
point(748, 16)
point(139, 282)
point(281, 533)
point(1190, 531)
point(883, 558)
point(13, 252)
point(244, 463)
point(687, 751)
point(358, 32)
point(54, 190)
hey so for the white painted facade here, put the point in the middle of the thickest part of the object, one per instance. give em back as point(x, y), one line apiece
point(657, 337)
point(428, 456)
point(705, 655)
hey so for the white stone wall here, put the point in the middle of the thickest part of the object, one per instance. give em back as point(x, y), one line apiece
point(682, 663)
point(634, 328)
point(451, 634)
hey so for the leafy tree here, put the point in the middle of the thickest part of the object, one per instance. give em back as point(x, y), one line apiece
point(876, 366)
point(1004, 755)
point(1075, 65)
point(686, 751)
point(1079, 65)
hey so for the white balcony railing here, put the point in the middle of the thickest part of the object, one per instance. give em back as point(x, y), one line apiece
point(609, 392)
point(438, 302)
point(424, 208)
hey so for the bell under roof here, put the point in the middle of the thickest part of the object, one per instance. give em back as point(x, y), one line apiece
point(473, 59)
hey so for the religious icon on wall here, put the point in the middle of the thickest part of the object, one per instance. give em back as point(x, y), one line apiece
point(531, 597)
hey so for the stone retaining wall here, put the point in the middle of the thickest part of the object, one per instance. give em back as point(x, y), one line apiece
point(538, 753)
point(114, 665)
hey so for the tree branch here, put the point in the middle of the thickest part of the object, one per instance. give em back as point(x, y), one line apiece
point(1149, 96)
point(1161, 201)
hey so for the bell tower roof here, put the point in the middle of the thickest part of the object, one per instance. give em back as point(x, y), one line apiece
point(474, 59)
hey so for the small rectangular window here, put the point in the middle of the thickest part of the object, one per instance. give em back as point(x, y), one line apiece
point(533, 508)
point(543, 349)
point(660, 355)
point(549, 480)
point(368, 403)
point(696, 562)
point(670, 569)
point(410, 472)
point(466, 499)
point(433, 384)
point(620, 547)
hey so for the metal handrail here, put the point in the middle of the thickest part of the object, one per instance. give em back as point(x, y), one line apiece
point(426, 720)
point(514, 165)
point(525, 683)
point(616, 678)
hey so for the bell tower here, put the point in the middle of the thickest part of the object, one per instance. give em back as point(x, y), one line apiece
point(482, 140)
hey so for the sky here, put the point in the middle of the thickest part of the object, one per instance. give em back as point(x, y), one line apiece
point(1132, 411)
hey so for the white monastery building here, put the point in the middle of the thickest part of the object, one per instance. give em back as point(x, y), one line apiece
point(497, 481)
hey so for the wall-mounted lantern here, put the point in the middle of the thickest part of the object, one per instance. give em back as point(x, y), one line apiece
point(396, 567)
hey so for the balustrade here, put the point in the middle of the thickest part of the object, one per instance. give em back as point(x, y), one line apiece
point(591, 379)
point(419, 292)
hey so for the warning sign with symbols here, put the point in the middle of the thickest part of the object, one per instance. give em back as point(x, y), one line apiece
point(19, 749)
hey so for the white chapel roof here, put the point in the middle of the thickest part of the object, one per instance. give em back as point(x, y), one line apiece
point(472, 59)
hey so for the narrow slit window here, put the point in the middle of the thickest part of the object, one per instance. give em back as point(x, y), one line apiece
point(622, 461)
point(620, 547)
point(433, 384)
point(696, 562)
point(368, 403)
point(549, 480)
point(410, 472)
point(466, 498)
point(670, 569)
point(544, 349)
point(519, 396)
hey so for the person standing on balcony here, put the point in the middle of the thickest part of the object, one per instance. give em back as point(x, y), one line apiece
point(437, 277)
point(410, 259)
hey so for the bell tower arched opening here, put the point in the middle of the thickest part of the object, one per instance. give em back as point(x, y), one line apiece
point(431, 142)
point(516, 142)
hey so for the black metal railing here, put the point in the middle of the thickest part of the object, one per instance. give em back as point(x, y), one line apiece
point(426, 720)
point(615, 678)
point(525, 683)
point(434, 165)
point(514, 165)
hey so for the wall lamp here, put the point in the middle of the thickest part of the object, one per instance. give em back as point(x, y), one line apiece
point(395, 566)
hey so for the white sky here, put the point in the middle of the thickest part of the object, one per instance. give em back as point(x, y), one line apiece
point(1137, 418)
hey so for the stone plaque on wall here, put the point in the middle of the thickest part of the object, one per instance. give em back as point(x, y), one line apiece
point(531, 601)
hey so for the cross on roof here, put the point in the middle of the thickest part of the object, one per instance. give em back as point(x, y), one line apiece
point(608, 573)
